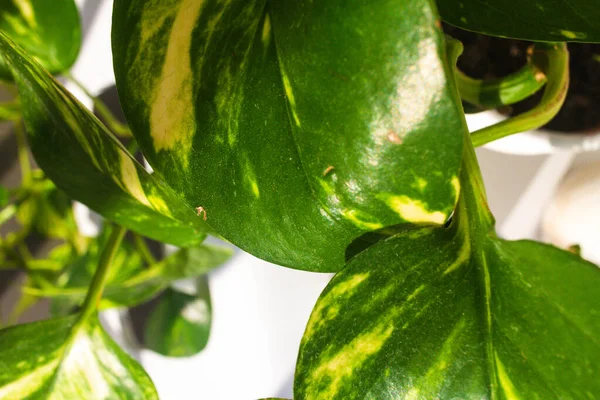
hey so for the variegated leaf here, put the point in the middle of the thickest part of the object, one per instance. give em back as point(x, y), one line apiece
point(89, 164)
point(179, 325)
point(437, 313)
point(297, 126)
point(48, 30)
point(67, 358)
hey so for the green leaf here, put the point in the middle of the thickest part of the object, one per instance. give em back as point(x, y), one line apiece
point(78, 274)
point(539, 20)
point(437, 313)
point(179, 326)
point(68, 359)
point(48, 30)
point(307, 122)
point(48, 210)
point(10, 111)
point(137, 284)
point(89, 163)
point(4, 196)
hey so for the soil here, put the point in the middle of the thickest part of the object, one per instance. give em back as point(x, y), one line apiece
point(486, 57)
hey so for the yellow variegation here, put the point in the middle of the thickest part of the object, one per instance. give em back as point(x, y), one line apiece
point(89, 164)
point(306, 121)
point(67, 358)
point(436, 313)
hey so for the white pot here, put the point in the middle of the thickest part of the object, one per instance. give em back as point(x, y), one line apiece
point(573, 215)
point(536, 142)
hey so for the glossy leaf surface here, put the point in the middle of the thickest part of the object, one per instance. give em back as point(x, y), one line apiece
point(437, 313)
point(537, 20)
point(132, 284)
point(179, 326)
point(305, 122)
point(60, 359)
point(84, 160)
point(47, 30)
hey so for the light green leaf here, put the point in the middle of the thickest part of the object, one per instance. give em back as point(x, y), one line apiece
point(537, 20)
point(68, 359)
point(437, 313)
point(137, 284)
point(89, 164)
point(306, 122)
point(47, 30)
point(10, 111)
point(179, 325)
point(48, 210)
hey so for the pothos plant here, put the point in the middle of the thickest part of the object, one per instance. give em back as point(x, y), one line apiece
point(327, 136)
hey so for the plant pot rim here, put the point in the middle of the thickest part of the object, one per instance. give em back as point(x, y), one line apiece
point(536, 142)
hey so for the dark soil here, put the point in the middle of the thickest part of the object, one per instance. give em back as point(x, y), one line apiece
point(488, 57)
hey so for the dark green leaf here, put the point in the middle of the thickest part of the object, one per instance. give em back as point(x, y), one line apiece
point(297, 126)
point(47, 30)
point(455, 313)
point(89, 163)
point(68, 359)
point(179, 326)
point(135, 284)
point(538, 20)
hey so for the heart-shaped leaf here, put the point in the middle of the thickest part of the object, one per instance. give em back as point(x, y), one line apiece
point(67, 358)
point(539, 20)
point(89, 164)
point(179, 325)
point(48, 30)
point(305, 122)
point(437, 313)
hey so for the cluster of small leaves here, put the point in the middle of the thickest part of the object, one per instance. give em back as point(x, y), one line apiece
point(318, 135)
point(70, 355)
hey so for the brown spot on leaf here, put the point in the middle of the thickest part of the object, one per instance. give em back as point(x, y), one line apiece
point(393, 137)
point(201, 210)
point(328, 170)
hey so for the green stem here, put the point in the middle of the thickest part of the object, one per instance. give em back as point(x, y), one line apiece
point(112, 122)
point(553, 60)
point(494, 93)
point(7, 213)
point(22, 153)
point(94, 294)
point(141, 246)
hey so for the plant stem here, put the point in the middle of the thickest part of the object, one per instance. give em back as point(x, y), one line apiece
point(494, 93)
point(22, 153)
point(94, 294)
point(7, 213)
point(553, 60)
point(141, 246)
point(112, 122)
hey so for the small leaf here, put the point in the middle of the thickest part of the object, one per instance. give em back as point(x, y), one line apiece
point(48, 30)
point(89, 164)
point(138, 284)
point(179, 325)
point(306, 122)
point(10, 111)
point(49, 211)
point(540, 20)
point(439, 313)
point(68, 359)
